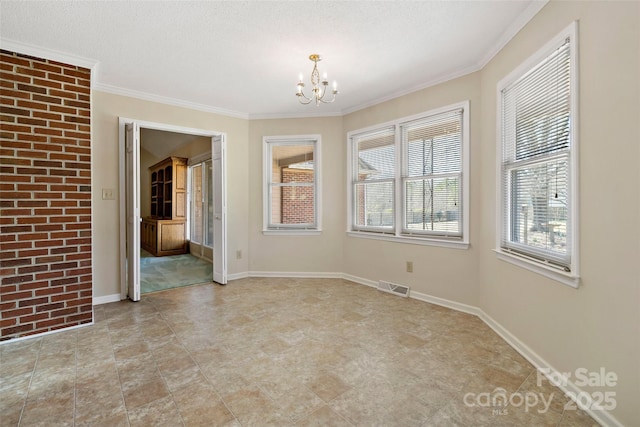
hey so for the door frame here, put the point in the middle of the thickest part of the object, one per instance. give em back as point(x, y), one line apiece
point(221, 241)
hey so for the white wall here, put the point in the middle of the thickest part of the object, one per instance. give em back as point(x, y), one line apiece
point(597, 325)
point(319, 253)
point(106, 108)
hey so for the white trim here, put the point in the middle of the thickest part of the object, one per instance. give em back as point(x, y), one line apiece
point(293, 140)
point(315, 113)
point(131, 93)
point(45, 53)
point(296, 274)
point(453, 244)
point(398, 236)
point(42, 334)
point(515, 27)
point(573, 278)
point(292, 232)
point(238, 276)
point(199, 158)
point(537, 267)
point(458, 306)
point(433, 82)
point(106, 299)
point(122, 182)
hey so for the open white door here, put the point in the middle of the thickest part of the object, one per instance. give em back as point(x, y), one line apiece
point(132, 177)
point(218, 151)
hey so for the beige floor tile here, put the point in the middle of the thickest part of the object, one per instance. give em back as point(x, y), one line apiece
point(158, 413)
point(269, 351)
point(323, 417)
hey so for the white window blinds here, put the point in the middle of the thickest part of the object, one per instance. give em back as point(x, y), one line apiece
point(375, 179)
point(432, 173)
point(536, 161)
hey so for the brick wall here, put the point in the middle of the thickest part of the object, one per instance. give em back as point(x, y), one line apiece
point(297, 202)
point(45, 195)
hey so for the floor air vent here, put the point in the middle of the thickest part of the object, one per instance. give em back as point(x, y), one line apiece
point(392, 288)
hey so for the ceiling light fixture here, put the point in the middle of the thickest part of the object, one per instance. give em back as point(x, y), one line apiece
point(319, 88)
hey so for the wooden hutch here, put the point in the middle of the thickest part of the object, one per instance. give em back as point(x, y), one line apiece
point(164, 232)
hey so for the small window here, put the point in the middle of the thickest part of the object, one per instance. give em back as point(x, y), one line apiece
point(538, 163)
point(291, 177)
point(409, 179)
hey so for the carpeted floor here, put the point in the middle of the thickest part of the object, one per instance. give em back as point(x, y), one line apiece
point(159, 273)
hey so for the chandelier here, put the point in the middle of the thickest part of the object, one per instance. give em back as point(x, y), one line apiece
point(319, 88)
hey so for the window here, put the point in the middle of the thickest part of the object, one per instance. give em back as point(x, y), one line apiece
point(538, 162)
point(408, 179)
point(291, 190)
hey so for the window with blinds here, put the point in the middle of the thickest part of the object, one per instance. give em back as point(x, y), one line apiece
point(408, 177)
point(375, 170)
point(537, 171)
point(432, 173)
point(291, 195)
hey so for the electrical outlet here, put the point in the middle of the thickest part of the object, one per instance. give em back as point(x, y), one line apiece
point(409, 266)
point(108, 194)
point(238, 254)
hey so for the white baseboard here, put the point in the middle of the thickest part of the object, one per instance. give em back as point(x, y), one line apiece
point(106, 299)
point(570, 389)
point(42, 334)
point(297, 274)
point(236, 276)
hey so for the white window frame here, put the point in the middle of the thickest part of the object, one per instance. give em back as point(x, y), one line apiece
point(397, 233)
point(291, 229)
point(532, 263)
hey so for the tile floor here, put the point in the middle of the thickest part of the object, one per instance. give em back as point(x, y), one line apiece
point(258, 352)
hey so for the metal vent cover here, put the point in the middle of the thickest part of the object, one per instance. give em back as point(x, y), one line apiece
point(393, 288)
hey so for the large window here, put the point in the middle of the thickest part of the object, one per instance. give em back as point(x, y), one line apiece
point(291, 190)
point(538, 167)
point(409, 178)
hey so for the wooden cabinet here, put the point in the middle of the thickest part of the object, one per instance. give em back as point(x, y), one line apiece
point(164, 232)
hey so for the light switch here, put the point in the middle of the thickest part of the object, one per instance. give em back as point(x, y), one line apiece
point(108, 194)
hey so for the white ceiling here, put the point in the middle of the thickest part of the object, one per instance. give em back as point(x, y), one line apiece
point(242, 58)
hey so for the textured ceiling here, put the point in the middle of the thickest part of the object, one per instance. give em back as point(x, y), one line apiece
point(243, 58)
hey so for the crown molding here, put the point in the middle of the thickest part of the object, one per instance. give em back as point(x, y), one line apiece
point(515, 27)
point(293, 115)
point(438, 80)
point(116, 90)
point(45, 53)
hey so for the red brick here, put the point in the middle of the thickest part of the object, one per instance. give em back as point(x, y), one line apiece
point(50, 323)
point(17, 330)
point(64, 312)
point(31, 302)
point(34, 317)
point(49, 307)
point(15, 296)
point(46, 67)
point(52, 290)
point(49, 275)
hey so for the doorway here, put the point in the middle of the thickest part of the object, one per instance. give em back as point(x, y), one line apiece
point(132, 212)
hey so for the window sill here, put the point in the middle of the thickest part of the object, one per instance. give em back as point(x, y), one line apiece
point(410, 240)
point(290, 232)
point(549, 272)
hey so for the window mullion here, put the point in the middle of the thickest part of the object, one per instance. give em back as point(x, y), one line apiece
point(399, 199)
